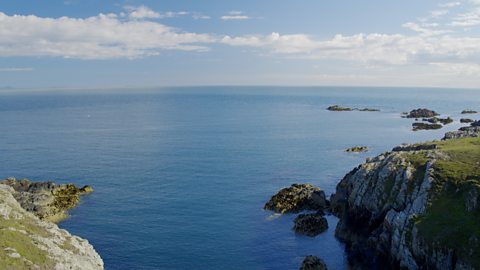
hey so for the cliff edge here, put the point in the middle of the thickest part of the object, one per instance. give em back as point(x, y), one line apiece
point(27, 242)
point(415, 207)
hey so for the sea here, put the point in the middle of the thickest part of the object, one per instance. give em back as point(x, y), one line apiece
point(181, 174)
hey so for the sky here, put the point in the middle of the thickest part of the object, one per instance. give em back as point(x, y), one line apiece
point(130, 43)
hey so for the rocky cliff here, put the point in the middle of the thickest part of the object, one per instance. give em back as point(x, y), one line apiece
point(27, 242)
point(417, 207)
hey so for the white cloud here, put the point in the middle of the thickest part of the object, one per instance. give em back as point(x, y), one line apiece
point(99, 37)
point(235, 15)
point(368, 49)
point(450, 4)
point(141, 12)
point(16, 69)
point(200, 16)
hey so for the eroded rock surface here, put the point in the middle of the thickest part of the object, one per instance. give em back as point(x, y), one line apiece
point(298, 197)
point(416, 209)
point(26, 242)
point(47, 200)
point(310, 224)
point(313, 263)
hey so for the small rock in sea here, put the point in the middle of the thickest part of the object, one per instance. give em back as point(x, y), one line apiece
point(421, 113)
point(297, 198)
point(425, 126)
point(368, 110)
point(469, 112)
point(338, 108)
point(310, 224)
point(466, 120)
point(475, 124)
point(313, 263)
point(357, 149)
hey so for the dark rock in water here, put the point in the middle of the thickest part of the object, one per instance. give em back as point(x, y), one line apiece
point(435, 120)
point(338, 108)
point(357, 149)
point(421, 113)
point(466, 120)
point(469, 112)
point(310, 224)
point(414, 147)
point(297, 198)
point(475, 124)
point(47, 200)
point(313, 263)
point(424, 126)
point(368, 110)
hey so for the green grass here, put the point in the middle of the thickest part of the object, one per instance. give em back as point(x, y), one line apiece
point(447, 221)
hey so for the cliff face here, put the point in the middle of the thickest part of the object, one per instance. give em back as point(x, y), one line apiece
point(26, 242)
point(417, 207)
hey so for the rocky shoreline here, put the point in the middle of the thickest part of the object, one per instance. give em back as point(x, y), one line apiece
point(28, 237)
point(415, 207)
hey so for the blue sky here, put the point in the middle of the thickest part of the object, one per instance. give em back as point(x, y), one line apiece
point(86, 43)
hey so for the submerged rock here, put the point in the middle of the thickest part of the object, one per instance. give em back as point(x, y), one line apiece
point(357, 149)
point(338, 108)
point(310, 224)
point(47, 200)
point(421, 113)
point(424, 126)
point(30, 243)
point(466, 120)
point(298, 197)
point(313, 263)
point(416, 209)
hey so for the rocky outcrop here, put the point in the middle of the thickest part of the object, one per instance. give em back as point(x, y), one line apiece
point(297, 198)
point(424, 126)
point(47, 200)
point(466, 120)
point(26, 242)
point(413, 209)
point(414, 147)
point(310, 224)
point(313, 263)
point(357, 149)
point(463, 132)
point(337, 108)
point(421, 113)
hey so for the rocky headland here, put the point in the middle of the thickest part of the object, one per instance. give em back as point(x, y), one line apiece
point(28, 238)
point(417, 207)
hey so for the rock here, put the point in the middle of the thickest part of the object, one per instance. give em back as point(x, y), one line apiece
point(434, 120)
point(368, 110)
point(47, 200)
point(424, 126)
point(414, 147)
point(30, 243)
point(421, 113)
point(338, 108)
point(357, 149)
point(313, 263)
point(463, 132)
point(475, 124)
point(416, 209)
point(466, 120)
point(298, 197)
point(469, 112)
point(310, 224)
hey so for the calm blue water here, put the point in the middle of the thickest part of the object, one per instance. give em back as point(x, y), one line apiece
point(181, 175)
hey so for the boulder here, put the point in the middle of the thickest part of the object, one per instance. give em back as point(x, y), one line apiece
point(298, 197)
point(313, 263)
point(421, 113)
point(357, 149)
point(310, 224)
